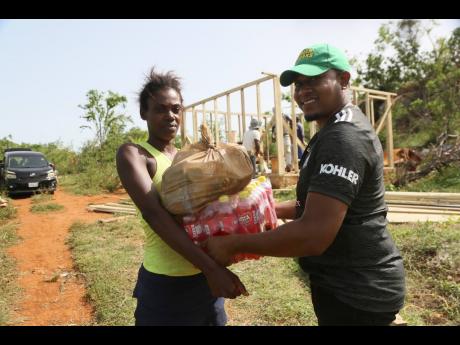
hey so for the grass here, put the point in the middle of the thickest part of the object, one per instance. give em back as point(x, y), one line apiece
point(7, 213)
point(95, 180)
point(41, 198)
point(9, 290)
point(284, 195)
point(70, 183)
point(279, 294)
point(109, 255)
point(431, 255)
point(44, 208)
point(446, 180)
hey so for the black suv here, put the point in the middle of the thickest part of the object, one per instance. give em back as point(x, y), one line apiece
point(23, 171)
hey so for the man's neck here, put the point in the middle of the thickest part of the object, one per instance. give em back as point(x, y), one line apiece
point(323, 121)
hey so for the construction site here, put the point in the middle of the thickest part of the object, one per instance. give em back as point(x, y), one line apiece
point(228, 126)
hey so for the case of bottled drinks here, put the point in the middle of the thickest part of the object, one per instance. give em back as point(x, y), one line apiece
point(248, 212)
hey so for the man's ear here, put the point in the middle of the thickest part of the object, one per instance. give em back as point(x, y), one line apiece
point(344, 79)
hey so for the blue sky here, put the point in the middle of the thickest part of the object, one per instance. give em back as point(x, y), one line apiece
point(47, 66)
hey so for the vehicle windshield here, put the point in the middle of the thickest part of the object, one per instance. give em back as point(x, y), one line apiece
point(24, 161)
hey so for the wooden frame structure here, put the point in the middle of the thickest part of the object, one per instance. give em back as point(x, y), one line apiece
point(362, 97)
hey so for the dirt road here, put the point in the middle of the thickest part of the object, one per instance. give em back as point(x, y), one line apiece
point(53, 292)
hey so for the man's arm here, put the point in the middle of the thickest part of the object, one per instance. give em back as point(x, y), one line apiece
point(257, 146)
point(136, 180)
point(286, 209)
point(309, 235)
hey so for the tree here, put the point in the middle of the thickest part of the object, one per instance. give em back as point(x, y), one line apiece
point(427, 82)
point(102, 115)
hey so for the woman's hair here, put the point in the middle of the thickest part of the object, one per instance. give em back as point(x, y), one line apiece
point(155, 82)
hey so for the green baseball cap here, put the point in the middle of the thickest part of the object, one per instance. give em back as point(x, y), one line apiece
point(316, 60)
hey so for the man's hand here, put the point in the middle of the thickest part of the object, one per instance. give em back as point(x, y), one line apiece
point(220, 249)
point(224, 283)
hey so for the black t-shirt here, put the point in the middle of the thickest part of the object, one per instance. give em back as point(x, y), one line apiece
point(362, 266)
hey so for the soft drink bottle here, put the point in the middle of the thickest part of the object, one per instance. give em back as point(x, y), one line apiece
point(193, 228)
point(208, 221)
point(255, 201)
point(248, 217)
point(270, 212)
point(244, 213)
point(226, 217)
point(263, 203)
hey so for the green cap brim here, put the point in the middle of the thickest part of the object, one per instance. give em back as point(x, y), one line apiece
point(288, 76)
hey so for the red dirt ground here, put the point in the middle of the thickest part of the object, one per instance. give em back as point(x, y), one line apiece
point(53, 291)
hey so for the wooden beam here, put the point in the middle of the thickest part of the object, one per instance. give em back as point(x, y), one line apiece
point(389, 137)
point(422, 195)
point(377, 97)
point(268, 77)
point(216, 125)
point(243, 112)
point(367, 106)
point(195, 125)
point(182, 128)
point(227, 118)
point(382, 119)
point(259, 113)
point(279, 126)
point(113, 219)
point(377, 92)
point(294, 139)
point(203, 117)
point(371, 101)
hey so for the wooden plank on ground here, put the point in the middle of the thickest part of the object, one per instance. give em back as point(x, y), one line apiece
point(414, 218)
point(109, 209)
point(396, 209)
point(113, 219)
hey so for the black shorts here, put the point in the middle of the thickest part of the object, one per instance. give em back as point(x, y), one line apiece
point(330, 311)
point(176, 301)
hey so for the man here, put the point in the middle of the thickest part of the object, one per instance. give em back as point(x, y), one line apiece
point(300, 136)
point(287, 144)
point(339, 229)
point(251, 141)
point(178, 284)
point(286, 141)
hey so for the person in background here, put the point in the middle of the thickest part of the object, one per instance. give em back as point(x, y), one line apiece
point(251, 141)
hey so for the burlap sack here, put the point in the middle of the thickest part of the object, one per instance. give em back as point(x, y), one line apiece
point(200, 173)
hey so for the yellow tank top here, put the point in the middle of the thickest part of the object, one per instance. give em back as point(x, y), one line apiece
point(160, 258)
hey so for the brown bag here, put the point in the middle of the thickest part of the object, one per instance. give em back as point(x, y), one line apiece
point(200, 173)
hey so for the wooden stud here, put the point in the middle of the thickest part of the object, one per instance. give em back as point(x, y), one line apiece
point(259, 114)
point(371, 101)
point(367, 105)
point(279, 126)
point(243, 112)
point(228, 123)
point(238, 88)
point(216, 124)
point(389, 132)
point(295, 155)
point(195, 125)
point(182, 127)
point(203, 117)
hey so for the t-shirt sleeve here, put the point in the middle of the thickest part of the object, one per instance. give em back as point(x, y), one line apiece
point(339, 165)
point(256, 135)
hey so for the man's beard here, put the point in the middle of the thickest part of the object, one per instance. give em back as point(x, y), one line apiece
point(312, 117)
